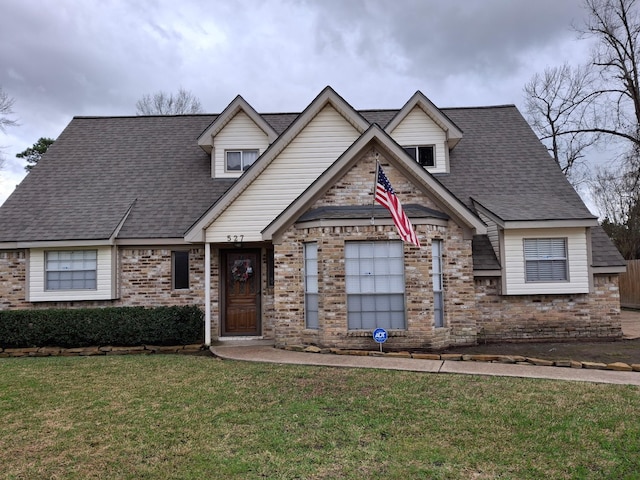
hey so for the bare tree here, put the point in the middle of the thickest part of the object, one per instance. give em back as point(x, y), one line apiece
point(6, 109)
point(559, 101)
point(605, 105)
point(615, 25)
point(162, 103)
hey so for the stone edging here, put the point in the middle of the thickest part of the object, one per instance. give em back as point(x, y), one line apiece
point(93, 351)
point(508, 359)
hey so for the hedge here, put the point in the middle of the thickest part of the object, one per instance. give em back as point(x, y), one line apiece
point(117, 326)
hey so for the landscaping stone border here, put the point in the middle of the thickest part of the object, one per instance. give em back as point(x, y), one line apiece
point(510, 359)
point(106, 350)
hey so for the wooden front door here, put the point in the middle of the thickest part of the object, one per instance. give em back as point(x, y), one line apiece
point(241, 295)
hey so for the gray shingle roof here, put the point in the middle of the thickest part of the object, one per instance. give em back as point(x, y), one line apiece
point(500, 163)
point(100, 167)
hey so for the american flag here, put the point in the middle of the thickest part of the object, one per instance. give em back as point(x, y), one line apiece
point(386, 197)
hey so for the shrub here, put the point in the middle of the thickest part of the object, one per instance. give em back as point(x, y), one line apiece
point(118, 326)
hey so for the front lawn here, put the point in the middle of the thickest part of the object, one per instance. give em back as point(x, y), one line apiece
point(165, 416)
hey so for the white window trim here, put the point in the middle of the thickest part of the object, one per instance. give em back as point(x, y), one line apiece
point(564, 258)
point(47, 271)
point(433, 150)
point(242, 153)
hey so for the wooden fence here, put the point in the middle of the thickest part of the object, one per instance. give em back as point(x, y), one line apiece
point(630, 285)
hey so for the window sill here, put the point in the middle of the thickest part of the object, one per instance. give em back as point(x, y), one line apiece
point(369, 333)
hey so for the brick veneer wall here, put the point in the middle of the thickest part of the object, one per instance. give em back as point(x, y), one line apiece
point(355, 188)
point(548, 317)
point(13, 275)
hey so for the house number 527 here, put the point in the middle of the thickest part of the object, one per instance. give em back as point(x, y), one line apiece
point(235, 238)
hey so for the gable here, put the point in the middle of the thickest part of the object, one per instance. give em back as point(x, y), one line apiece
point(418, 129)
point(240, 133)
point(303, 160)
point(412, 180)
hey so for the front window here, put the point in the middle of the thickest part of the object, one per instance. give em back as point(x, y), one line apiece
point(71, 270)
point(424, 155)
point(545, 259)
point(375, 285)
point(311, 284)
point(240, 160)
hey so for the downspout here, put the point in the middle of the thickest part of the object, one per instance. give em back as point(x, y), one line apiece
point(207, 294)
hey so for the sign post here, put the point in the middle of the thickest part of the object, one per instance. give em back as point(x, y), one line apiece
point(380, 336)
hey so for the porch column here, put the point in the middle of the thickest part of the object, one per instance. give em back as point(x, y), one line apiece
point(207, 294)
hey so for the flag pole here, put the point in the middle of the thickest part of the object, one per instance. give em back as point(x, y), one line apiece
point(375, 183)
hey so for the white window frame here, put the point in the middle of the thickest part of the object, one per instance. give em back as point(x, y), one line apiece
point(537, 253)
point(437, 275)
point(243, 166)
point(416, 154)
point(311, 309)
point(375, 285)
point(82, 265)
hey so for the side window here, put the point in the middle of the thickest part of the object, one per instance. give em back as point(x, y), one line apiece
point(311, 284)
point(437, 278)
point(180, 269)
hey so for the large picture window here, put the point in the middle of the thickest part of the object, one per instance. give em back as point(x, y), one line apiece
point(545, 259)
point(311, 284)
point(71, 270)
point(240, 160)
point(375, 285)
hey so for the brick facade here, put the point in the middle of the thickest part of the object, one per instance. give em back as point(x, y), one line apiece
point(475, 310)
point(548, 317)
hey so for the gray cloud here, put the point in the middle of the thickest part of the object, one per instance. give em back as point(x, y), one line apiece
point(64, 58)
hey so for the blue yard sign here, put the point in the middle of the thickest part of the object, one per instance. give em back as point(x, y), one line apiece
point(380, 336)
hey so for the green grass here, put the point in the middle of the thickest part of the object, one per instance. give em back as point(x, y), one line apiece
point(187, 417)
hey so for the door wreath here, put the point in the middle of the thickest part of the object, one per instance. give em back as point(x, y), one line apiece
point(241, 270)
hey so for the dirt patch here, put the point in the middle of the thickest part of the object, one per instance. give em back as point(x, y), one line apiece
point(627, 351)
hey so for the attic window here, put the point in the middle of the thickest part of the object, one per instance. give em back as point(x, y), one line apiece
point(240, 160)
point(424, 155)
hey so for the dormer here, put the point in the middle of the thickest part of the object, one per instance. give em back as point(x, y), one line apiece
point(236, 139)
point(425, 132)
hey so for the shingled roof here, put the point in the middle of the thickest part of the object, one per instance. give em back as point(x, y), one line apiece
point(147, 175)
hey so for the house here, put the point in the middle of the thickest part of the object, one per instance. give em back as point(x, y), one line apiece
point(267, 222)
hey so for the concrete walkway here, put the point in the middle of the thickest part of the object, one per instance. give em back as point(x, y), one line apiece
point(263, 351)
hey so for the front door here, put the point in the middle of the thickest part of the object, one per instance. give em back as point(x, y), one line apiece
point(241, 293)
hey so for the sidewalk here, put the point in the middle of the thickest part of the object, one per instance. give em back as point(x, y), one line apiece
point(263, 351)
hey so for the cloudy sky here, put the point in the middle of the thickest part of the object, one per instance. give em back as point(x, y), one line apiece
point(62, 58)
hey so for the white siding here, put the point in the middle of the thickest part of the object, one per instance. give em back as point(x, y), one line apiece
point(309, 154)
point(492, 232)
point(241, 133)
point(577, 258)
point(38, 293)
point(417, 128)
